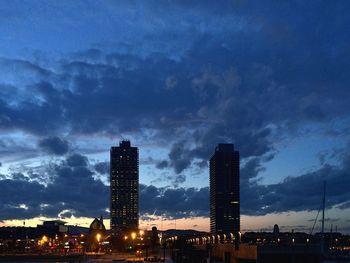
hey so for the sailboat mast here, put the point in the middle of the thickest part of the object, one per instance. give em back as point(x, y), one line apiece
point(323, 208)
point(323, 205)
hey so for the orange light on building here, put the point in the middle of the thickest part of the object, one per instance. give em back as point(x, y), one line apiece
point(43, 240)
point(133, 235)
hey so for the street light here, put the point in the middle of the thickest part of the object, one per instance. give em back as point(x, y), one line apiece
point(141, 233)
point(43, 240)
point(98, 237)
point(133, 235)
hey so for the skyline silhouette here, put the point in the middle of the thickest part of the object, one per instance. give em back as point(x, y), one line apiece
point(175, 78)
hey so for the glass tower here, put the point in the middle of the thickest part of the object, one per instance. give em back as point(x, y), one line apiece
point(224, 190)
point(124, 176)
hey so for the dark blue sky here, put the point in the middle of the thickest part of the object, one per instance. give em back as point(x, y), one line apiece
point(176, 78)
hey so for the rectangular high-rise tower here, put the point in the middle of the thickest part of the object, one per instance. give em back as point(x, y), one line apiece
point(124, 176)
point(224, 190)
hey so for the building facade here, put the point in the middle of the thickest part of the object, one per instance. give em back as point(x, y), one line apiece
point(224, 190)
point(124, 183)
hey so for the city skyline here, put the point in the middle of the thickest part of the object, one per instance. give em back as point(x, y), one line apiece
point(176, 79)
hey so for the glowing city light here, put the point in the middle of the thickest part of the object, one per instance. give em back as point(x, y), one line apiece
point(133, 235)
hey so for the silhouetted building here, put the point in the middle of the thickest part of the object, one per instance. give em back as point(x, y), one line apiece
point(276, 230)
point(97, 226)
point(124, 165)
point(52, 228)
point(17, 232)
point(154, 237)
point(224, 190)
point(97, 234)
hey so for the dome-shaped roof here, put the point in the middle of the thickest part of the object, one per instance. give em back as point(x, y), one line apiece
point(97, 224)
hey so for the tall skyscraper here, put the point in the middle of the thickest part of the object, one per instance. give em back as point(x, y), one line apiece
point(224, 190)
point(124, 176)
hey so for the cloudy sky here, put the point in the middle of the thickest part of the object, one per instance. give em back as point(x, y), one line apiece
point(176, 78)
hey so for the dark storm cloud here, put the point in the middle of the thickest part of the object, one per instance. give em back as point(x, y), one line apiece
point(76, 160)
point(12, 149)
point(19, 176)
point(301, 193)
point(54, 145)
point(180, 202)
point(179, 157)
point(11, 66)
point(227, 89)
point(179, 179)
point(162, 164)
point(31, 115)
point(174, 179)
point(102, 167)
point(31, 194)
point(249, 73)
point(73, 190)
